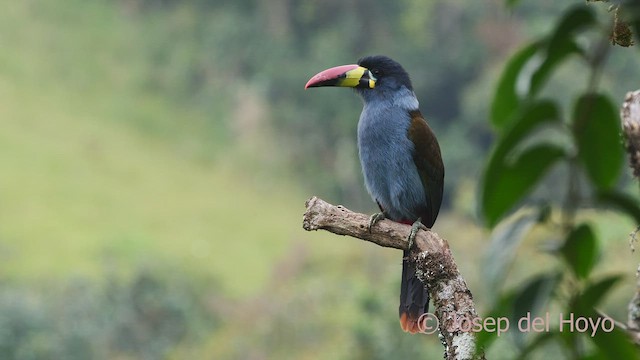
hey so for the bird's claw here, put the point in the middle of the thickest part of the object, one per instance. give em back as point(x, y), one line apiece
point(417, 226)
point(375, 218)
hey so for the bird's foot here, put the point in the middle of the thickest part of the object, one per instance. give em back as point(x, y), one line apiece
point(375, 218)
point(417, 226)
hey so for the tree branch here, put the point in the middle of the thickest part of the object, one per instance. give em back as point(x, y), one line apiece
point(435, 267)
point(630, 117)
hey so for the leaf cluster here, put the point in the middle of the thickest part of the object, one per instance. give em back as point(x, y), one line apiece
point(529, 126)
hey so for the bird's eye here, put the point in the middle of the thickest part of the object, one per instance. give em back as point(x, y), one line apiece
point(376, 71)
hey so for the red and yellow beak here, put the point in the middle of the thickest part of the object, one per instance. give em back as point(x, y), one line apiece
point(346, 76)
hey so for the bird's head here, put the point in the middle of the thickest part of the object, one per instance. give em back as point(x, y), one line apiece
point(371, 75)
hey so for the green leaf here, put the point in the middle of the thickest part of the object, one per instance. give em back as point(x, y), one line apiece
point(561, 44)
point(581, 251)
point(555, 55)
point(575, 19)
point(511, 3)
point(584, 305)
point(506, 100)
point(529, 118)
point(534, 295)
point(534, 115)
point(501, 309)
point(553, 50)
point(537, 342)
point(507, 182)
point(594, 293)
point(503, 245)
point(531, 298)
point(614, 345)
point(622, 201)
point(514, 304)
point(596, 129)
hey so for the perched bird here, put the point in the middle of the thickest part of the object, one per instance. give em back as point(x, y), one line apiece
point(400, 158)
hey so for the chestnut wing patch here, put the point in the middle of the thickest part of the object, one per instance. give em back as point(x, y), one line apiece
point(428, 160)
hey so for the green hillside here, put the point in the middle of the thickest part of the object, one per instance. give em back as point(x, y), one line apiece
point(97, 175)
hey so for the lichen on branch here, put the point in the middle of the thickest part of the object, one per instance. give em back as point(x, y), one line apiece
point(435, 267)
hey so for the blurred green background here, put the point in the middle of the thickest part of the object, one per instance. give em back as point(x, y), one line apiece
point(155, 156)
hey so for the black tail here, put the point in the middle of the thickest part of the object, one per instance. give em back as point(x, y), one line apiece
point(414, 298)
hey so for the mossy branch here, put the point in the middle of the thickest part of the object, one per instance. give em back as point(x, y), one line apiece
point(630, 117)
point(435, 267)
